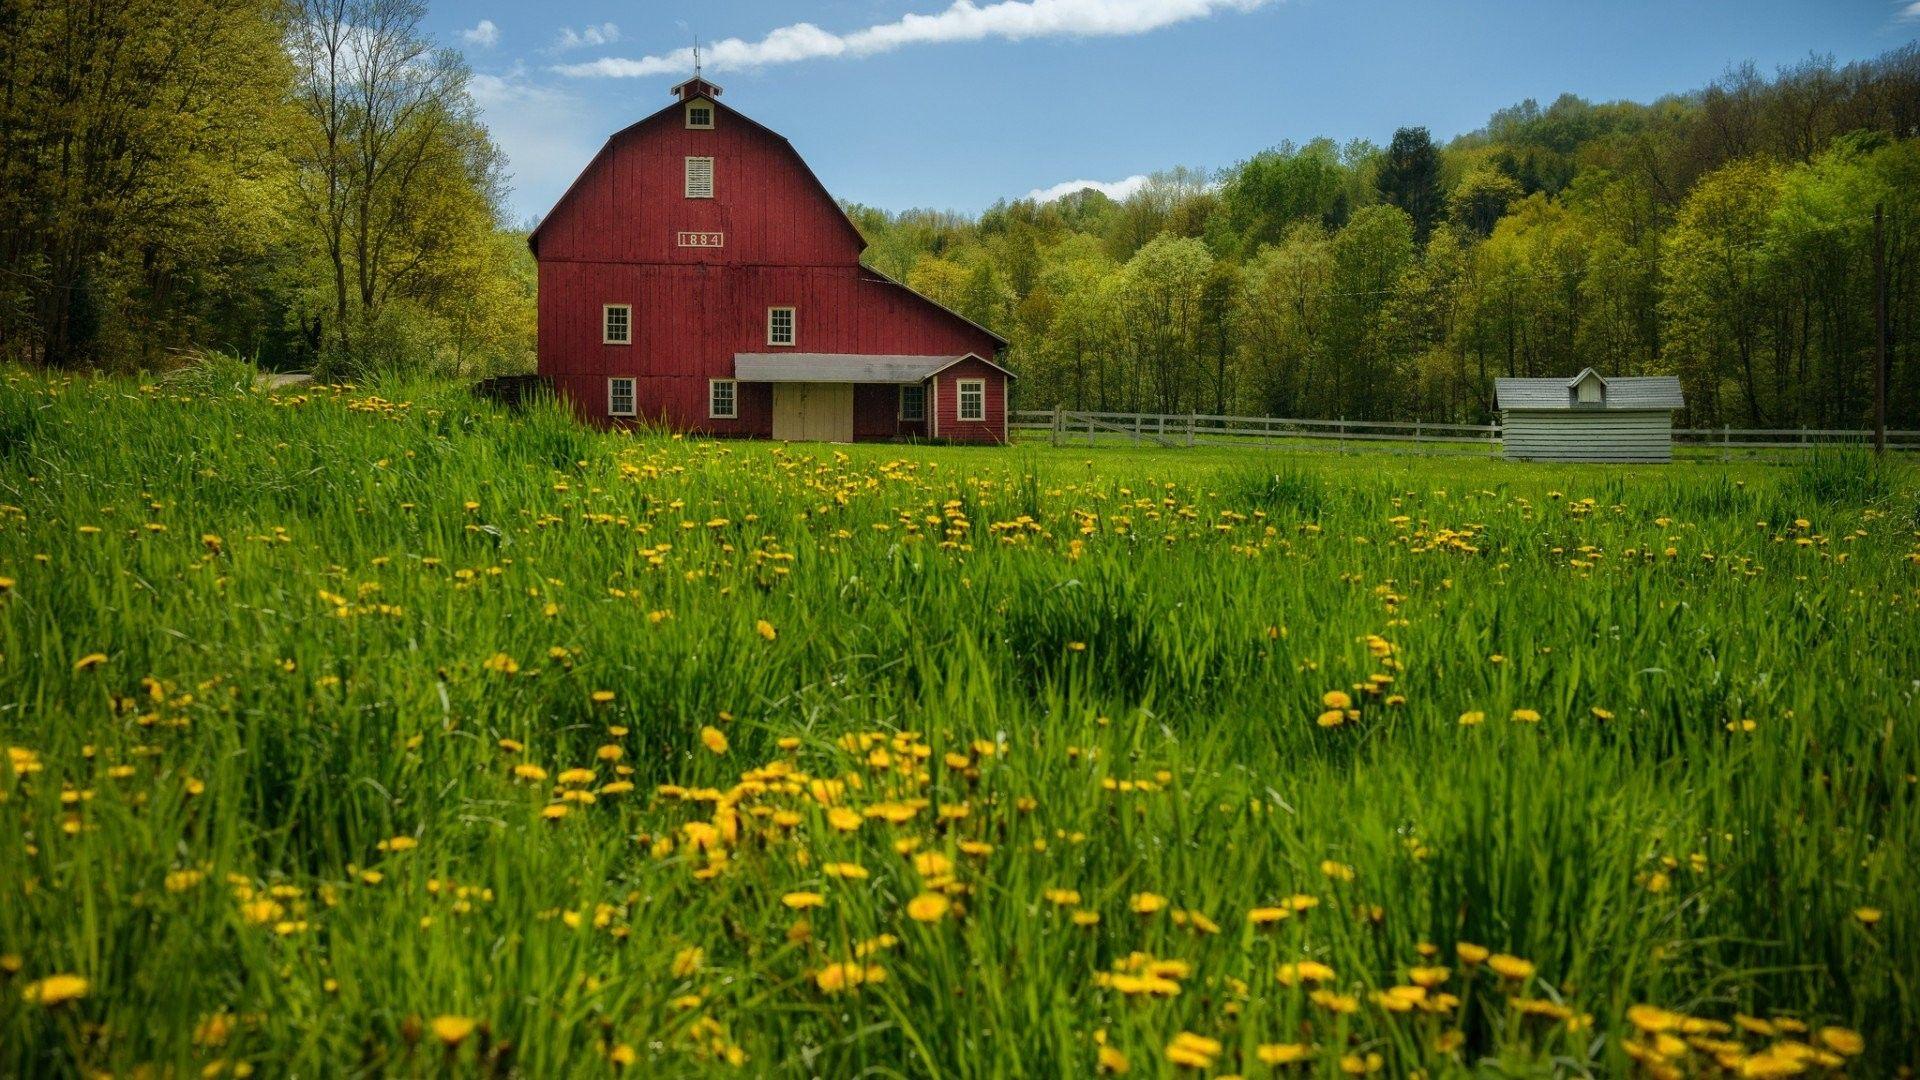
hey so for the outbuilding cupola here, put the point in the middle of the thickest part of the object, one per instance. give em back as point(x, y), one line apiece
point(696, 87)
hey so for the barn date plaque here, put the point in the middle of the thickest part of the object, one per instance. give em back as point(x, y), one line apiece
point(703, 239)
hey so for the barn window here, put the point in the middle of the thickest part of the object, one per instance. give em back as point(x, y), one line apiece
point(780, 326)
point(700, 115)
point(723, 399)
point(699, 178)
point(616, 324)
point(620, 396)
point(913, 402)
point(973, 399)
point(1590, 392)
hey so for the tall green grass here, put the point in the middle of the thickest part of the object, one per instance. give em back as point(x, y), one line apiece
point(308, 602)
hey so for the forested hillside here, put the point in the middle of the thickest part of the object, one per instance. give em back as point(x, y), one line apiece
point(310, 184)
point(307, 183)
point(1724, 236)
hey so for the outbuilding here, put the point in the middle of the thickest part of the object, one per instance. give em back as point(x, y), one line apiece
point(698, 276)
point(1588, 417)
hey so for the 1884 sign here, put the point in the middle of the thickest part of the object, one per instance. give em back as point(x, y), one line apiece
point(703, 239)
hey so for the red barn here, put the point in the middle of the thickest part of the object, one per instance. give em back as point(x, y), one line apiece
point(698, 275)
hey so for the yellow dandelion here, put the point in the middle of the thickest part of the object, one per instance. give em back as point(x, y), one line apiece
point(765, 629)
point(715, 740)
point(55, 990)
point(91, 660)
point(452, 1030)
point(928, 907)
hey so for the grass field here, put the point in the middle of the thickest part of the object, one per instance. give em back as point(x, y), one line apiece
point(375, 732)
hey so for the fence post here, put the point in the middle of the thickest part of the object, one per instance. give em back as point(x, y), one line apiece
point(1341, 436)
point(1416, 434)
point(1056, 425)
point(1726, 442)
point(1193, 421)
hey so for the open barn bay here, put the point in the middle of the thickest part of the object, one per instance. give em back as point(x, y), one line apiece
point(374, 732)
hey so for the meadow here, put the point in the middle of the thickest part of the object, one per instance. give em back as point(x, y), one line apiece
point(375, 731)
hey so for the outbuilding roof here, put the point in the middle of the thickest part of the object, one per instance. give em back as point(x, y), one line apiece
point(846, 367)
point(1620, 392)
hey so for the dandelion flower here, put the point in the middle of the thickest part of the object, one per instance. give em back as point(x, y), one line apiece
point(55, 990)
point(1282, 1053)
point(765, 629)
point(91, 660)
point(1473, 718)
point(801, 901)
point(928, 907)
point(1526, 716)
point(1510, 967)
point(1336, 699)
point(452, 1030)
point(1867, 916)
point(1146, 903)
point(715, 740)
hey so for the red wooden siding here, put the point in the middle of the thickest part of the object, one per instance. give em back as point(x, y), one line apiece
point(613, 239)
point(944, 402)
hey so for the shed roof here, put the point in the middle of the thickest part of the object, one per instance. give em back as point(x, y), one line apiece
point(1622, 392)
point(845, 367)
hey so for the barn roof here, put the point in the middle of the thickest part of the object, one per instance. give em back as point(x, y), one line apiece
point(1621, 392)
point(846, 367)
point(859, 239)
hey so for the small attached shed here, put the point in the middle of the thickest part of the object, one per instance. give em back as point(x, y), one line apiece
point(1588, 417)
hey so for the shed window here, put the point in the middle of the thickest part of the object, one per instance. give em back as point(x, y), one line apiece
point(723, 399)
point(780, 326)
point(699, 178)
point(616, 324)
point(913, 402)
point(973, 399)
point(700, 115)
point(620, 396)
point(1590, 392)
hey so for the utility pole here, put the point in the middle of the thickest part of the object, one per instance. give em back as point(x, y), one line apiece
point(1879, 330)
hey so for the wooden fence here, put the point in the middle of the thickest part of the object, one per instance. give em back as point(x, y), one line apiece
point(1064, 427)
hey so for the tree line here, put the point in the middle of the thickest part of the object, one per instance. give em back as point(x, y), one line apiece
point(1725, 236)
point(305, 182)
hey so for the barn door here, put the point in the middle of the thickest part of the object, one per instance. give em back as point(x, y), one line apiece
point(813, 412)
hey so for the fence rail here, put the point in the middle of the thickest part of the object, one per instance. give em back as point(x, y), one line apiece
point(1089, 427)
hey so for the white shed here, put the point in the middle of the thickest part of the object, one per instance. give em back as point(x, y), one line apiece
point(1588, 417)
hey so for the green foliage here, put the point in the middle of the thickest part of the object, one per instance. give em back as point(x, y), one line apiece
point(1722, 236)
point(1409, 178)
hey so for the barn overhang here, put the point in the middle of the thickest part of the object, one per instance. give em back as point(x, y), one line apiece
point(846, 367)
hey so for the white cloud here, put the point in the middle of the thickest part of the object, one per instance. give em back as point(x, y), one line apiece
point(1910, 11)
point(591, 37)
point(1010, 20)
point(1112, 189)
point(485, 35)
point(546, 132)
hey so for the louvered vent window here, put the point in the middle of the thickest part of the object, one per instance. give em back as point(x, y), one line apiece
point(699, 178)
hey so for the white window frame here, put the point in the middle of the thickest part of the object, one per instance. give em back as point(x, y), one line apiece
point(706, 105)
point(633, 389)
point(733, 399)
point(693, 192)
point(960, 400)
point(902, 409)
point(606, 316)
point(793, 326)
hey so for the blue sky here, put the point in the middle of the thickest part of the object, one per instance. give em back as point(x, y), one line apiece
point(904, 103)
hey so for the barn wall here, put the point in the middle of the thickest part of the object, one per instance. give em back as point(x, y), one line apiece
point(689, 321)
point(1588, 435)
point(944, 402)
